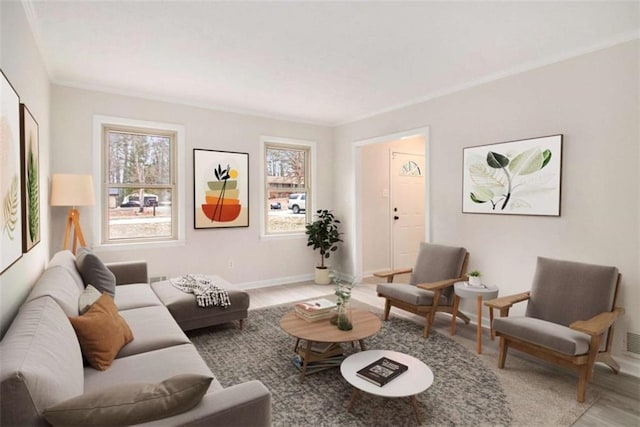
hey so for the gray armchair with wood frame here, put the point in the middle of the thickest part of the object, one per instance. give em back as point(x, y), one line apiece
point(430, 288)
point(571, 309)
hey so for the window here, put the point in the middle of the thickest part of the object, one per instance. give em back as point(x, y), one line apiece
point(140, 186)
point(287, 185)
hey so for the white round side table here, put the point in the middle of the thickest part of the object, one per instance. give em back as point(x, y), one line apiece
point(417, 379)
point(463, 290)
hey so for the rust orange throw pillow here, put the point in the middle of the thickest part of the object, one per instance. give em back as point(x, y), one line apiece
point(102, 332)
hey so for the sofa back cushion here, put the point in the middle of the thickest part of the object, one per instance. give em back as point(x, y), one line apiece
point(41, 363)
point(67, 260)
point(57, 283)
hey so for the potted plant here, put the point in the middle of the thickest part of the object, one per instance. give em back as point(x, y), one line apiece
point(323, 234)
point(474, 278)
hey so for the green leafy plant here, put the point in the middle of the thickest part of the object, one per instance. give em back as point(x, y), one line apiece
point(323, 234)
point(475, 273)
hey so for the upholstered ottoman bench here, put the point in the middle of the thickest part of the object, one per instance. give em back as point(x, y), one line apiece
point(189, 315)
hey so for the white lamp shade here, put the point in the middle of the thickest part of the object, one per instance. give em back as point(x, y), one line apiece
point(71, 190)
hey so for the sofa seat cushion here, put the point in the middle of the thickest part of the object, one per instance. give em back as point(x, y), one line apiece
point(94, 272)
point(135, 296)
point(189, 315)
point(128, 404)
point(409, 294)
point(154, 328)
point(102, 332)
point(41, 363)
point(550, 335)
point(149, 367)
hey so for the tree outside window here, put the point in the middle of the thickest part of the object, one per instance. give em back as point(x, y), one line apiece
point(140, 184)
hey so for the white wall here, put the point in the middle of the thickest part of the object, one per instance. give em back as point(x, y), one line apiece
point(255, 261)
point(594, 101)
point(20, 60)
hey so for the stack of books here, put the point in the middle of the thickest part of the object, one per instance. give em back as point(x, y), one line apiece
point(318, 365)
point(313, 311)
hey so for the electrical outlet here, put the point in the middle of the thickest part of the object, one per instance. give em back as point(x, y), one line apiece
point(230, 264)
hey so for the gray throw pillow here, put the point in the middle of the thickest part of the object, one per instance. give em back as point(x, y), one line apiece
point(93, 271)
point(128, 404)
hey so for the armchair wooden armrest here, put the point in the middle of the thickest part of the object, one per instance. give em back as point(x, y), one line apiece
point(389, 275)
point(441, 284)
point(598, 324)
point(504, 303)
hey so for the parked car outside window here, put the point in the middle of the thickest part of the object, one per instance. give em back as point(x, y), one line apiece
point(297, 202)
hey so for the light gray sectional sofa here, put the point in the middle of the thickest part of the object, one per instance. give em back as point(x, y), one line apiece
point(41, 362)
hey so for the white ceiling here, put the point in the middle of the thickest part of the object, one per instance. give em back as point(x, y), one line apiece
point(319, 62)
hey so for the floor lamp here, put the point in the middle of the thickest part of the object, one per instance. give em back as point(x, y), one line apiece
point(72, 190)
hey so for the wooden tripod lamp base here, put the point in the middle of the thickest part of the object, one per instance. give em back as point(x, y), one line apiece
point(73, 221)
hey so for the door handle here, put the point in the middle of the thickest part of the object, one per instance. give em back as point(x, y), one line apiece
point(396, 217)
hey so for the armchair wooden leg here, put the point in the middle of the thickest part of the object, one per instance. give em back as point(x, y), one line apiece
point(387, 309)
point(454, 314)
point(502, 355)
point(427, 325)
point(583, 380)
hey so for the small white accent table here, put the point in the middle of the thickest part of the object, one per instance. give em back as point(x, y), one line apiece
point(417, 379)
point(463, 290)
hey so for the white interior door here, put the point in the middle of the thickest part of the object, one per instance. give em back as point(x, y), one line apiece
point(407, 207)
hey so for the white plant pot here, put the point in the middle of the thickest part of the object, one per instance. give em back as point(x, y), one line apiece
point(475, 281)
point(322, 276)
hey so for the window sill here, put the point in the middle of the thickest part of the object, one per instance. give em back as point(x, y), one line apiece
point(112, 247)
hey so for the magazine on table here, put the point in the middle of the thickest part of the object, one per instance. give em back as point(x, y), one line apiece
point(382, 371)
point(316, 306)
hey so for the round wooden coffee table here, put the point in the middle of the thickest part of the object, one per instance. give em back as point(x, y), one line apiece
point(415, 380)
point(365, 324)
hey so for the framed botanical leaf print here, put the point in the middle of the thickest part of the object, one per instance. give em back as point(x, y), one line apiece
point(517, 178)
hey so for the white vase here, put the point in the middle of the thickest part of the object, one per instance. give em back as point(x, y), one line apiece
point(475, 281)
point(322, 276)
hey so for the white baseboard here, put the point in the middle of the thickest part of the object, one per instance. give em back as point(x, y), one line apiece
point(274, 282)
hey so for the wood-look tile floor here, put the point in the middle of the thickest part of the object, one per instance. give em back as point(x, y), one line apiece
point(619, 404)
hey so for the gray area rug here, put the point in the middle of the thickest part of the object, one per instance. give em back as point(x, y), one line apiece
point(464, 392)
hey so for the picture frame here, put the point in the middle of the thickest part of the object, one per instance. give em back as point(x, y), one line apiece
point(220, 189)
point(10, 178)
point(522, 177)
point(30, 165)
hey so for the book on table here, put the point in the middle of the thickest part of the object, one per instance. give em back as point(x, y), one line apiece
point(382, 371)
point(317, 306)
point(313, 317)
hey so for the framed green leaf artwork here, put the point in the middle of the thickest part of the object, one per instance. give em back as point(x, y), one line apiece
point(221, 189)
point(10, 214)
point(30, 160)
point(514, 178)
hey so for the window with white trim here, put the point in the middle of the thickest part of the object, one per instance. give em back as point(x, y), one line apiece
point(287, 184)
point(139, 180)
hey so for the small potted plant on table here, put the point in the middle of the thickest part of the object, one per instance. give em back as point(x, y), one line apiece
point(323, 234)
point(474, 278)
